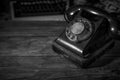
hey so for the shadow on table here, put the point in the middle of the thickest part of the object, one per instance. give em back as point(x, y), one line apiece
point(109, 56)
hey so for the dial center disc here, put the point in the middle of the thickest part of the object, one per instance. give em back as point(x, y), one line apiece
point(77, 28)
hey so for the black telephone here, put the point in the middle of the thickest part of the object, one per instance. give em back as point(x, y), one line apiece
point(89, 33)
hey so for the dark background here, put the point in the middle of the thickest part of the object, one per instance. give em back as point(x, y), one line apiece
point(107, 5)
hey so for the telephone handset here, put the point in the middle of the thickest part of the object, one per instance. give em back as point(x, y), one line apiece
point(90, 32)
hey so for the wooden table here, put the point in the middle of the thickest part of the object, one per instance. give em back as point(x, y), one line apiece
point(26, 54)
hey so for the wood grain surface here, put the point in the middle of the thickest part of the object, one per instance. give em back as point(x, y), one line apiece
point(26, 54)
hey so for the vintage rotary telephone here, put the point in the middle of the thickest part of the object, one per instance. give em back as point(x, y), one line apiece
point(90, 32)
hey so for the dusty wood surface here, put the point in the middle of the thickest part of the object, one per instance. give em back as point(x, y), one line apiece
point(26, 54)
